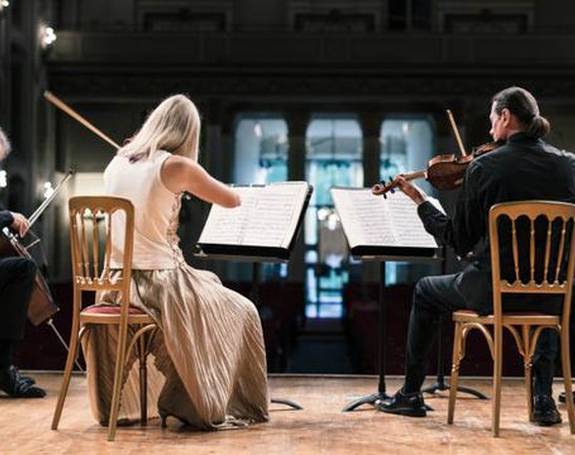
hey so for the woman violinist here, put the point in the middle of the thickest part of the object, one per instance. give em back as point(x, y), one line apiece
point(17, 276)
point(210, 365)
point(524, 168)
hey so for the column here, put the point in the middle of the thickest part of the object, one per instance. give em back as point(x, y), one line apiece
point(298, 120)
point(371, 128)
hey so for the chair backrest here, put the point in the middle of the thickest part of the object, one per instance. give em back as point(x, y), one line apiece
point(91, 219)
point(542, 249)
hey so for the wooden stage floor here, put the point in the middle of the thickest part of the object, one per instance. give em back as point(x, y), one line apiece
point(321, 428)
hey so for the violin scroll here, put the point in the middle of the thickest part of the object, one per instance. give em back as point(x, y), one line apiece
point(382, 188)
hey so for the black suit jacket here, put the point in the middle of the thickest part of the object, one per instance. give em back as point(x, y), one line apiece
point(524, 168)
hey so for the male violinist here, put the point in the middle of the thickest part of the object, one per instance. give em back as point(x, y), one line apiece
point(16, 281)
point(523, 168)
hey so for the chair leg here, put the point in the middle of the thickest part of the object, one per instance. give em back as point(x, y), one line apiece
point(72, 352)
point(566, 366)
point(455, 362)
point(142, 355)
point(497, 364)
point(118, 377)
point(528, 365)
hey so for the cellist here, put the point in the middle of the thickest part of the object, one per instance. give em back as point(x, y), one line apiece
point(524, 168)
point(17, 276)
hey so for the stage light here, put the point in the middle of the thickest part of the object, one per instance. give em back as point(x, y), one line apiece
point(3, 179)
point(47, 190)
point(47, 36)
point(4, 4)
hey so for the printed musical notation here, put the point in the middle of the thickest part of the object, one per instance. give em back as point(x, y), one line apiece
point(267, 217)
point(370, 220)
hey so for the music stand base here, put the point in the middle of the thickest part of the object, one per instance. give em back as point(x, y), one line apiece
point(291, 404)
point(368, 399)
point(441, 386)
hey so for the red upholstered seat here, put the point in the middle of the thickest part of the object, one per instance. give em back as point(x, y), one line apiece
point(110, 309)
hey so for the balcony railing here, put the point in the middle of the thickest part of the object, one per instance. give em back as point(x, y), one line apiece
point(275, 49)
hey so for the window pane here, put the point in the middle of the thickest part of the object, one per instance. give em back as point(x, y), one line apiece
point(407, 144)
point(334, 158)
point(260, 150)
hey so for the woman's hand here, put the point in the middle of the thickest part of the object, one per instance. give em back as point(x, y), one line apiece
point(415, 193)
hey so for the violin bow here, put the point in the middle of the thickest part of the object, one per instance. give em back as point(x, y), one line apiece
point(72, 113)
point(456, 131)
point(34, 217)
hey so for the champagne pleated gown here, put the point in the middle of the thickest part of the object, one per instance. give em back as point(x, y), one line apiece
point(208, 364)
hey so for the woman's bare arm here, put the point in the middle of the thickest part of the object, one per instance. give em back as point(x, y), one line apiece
point(181, 174)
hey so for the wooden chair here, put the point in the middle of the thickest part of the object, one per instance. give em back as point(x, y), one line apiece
point(526, 327)
point(91, 242)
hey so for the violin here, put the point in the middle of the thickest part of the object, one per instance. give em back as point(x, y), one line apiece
point(443, 172)
point(41, 306)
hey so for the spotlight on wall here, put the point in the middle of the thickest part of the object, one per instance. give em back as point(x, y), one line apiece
point(3, 179)
point(47, 36)
point(4, 4)
point(47, 190)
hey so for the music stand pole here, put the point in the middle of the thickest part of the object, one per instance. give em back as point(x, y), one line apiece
point(255, 294)
point(382, 343)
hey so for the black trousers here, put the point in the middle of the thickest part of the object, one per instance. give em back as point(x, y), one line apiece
point(16, 283)
point(437, 297)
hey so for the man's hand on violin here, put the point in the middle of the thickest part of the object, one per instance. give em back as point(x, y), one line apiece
point(20, 224)
point(415, 193)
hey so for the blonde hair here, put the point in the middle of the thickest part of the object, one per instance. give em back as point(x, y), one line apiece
point(4, 145)
point(173, 126)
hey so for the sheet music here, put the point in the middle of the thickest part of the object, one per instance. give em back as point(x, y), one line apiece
point(267, 217)
point(370, 220)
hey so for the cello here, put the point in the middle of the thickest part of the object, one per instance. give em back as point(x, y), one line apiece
point(41, 306)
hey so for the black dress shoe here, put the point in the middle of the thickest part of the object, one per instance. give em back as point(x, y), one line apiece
point(25, 378)
point(545, 412)
point(16, 386)
point(411, 405)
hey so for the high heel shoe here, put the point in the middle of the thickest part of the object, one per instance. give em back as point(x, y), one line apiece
point(164, 418)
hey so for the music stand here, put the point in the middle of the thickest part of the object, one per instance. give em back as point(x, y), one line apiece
point(257, 255)
point(381, 394)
